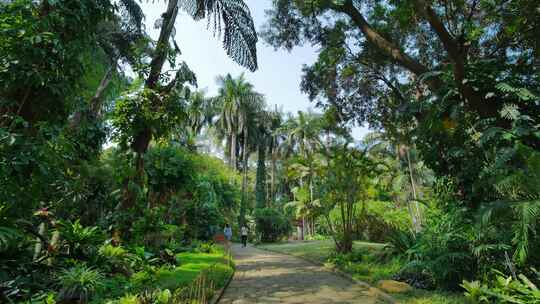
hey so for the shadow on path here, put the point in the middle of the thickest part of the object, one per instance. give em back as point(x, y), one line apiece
point(267, 277)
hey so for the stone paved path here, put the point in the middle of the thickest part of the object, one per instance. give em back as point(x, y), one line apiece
point(266, 277)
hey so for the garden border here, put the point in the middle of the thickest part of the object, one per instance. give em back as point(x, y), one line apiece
point(219, 294)
point(386, 297)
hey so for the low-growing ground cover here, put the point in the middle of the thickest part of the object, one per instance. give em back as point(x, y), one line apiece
point(366, 263)
point(215, 266)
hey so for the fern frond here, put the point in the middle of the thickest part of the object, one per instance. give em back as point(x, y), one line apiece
point(231, 18)
point(133, 13)
point(510, 111)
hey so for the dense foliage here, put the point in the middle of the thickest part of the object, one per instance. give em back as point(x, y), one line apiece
point(80, 222)
point(108, 168)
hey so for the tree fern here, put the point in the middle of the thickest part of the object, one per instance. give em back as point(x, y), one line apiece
point(231, 18)
point(133, 13)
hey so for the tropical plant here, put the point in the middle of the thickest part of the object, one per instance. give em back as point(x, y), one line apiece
point(79, 283)
point(118, 258)
point(400, 242)
point(81, 241)
point(443, 250)
point(346, 181)
point(272, 225)
point(9, 237)
point(503, 289)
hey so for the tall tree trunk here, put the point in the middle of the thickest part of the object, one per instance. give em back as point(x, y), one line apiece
point(303, 228)
point(55, 239)
point(95, 101)
point(227, 150)
point(143, 138)
point(260, 183)
point(410, 208)
point(233, 150)
point(415, 206)
point(273, 174)
point(245, 154)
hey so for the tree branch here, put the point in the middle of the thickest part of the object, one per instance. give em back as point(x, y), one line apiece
point(95, 101)
point(379, 41)
point(162, 48)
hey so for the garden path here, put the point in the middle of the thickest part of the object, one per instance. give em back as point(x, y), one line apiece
point(267, 277)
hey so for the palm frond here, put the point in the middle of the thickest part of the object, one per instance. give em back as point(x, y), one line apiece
point(132, 13)
point(231, 18)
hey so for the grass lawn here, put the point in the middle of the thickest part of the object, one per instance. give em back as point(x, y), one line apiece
point(368, 270)
point(189, 266)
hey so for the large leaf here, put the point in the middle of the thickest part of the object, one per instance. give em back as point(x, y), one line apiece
point(231, 18)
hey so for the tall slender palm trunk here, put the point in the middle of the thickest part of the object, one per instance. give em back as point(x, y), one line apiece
point(272, 196)
point(415, 207)
point(245, 154)
point(233, 150)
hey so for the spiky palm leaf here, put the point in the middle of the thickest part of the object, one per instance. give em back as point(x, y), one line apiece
point(119, 36)
point(231, 18)
point(523, 223)
point(132, 13)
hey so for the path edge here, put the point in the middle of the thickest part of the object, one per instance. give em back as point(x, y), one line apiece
point(219, 294)
point(386, 297)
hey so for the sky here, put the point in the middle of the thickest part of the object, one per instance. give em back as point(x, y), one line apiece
point(279, 73)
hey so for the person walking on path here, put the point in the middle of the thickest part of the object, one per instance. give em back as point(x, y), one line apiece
point(227, 232)
point(244, 233)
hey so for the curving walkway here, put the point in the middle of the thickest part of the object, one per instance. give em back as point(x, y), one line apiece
point(267, 277)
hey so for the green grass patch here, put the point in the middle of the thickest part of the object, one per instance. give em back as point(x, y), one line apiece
point(189, 266)
point(368, 268)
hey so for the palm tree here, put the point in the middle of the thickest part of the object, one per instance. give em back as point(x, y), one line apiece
point(239, 41)
point(407, 175)
point(200, 112)
point(304, 133)
point(267, 123)
point(275, 140)
point(240, 104)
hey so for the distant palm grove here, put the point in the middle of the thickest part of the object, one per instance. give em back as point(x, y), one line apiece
point(118, 174)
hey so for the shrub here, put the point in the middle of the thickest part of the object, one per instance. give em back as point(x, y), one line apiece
point(400, 241)
point(503, 289)
point(316, 237)
point(206, 247)
point(79, 283)
point(443, 250)
point(418, 279)
point(272, 225)
point(117, 258)
point(9, 238)
point(381, 218)
point(144, 278)
point(155, 297)
point(126, 299)
point(81, 241)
